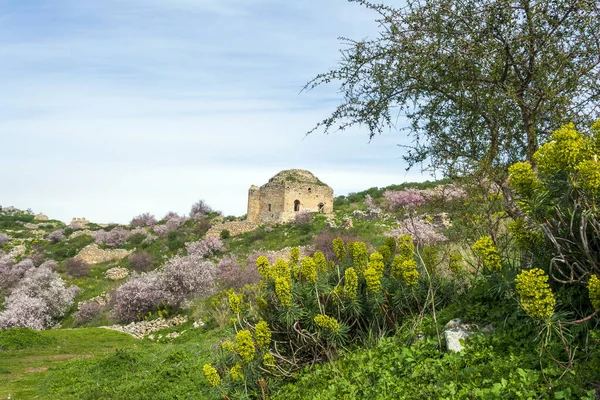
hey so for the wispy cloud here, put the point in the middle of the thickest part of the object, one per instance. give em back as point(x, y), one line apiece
point(114, 108)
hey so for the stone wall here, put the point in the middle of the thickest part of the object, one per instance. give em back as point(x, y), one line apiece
point(234, 227)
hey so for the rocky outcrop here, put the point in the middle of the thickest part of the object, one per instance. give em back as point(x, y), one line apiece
point(92, 254)
point(454, 332)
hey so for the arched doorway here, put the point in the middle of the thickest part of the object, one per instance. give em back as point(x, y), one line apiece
point(297, 205)
point(321, 208)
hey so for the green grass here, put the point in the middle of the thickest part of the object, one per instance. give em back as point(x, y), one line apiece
point(93, 363)
point(26, 355)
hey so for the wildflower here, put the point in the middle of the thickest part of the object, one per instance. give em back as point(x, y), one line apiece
point(373, 279)
point(235, 301)
point(487, 251)
point(564, 151)
point(294, 262)
point(325, 321)
point(522, 178)
point(228, 346)
point(236, 371)
point(269, 360)
point(350, 283)
point(386, 253)
point(588, 174)
point(283, 290)
point(376, 262)
point(536, 297)
point(262, 334)
point(320, 261)
point(406, 248)
point(211, 375)
point(360, 256)
point(405, 269)
point(244, 345)
point(263, 266)
point(339, 249)
point(281, 269)
point(308, 270)
point(594, 292)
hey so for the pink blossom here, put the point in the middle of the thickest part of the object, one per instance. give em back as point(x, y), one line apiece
point(423, 232)
point(407, 198)
point(205, 247)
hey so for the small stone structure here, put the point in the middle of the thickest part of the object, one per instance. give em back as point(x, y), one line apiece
point(288, 192)
point(78, 223)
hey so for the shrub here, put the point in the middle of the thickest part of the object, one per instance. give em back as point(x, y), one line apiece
point(200, 210)
point(408, 198)
point(11, 274)
point(189, 276)
point(76, 268)
point(142, 220)
point(206, 247)
point(114, 237)
point(141, 261)
point(88, 311)
point(424, 233)
point(4, 238)
point(140, 295)
point(232, 275)
point(38, 301)
point(225, 234)
point(56, 236)
point(303, 217)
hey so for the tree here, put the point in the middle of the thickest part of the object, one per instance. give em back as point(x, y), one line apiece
point(483, 83)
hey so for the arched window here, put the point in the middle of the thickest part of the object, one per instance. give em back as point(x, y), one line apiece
point(309, 190)
point(321, 208)
point(297, 205)
point(269, 206)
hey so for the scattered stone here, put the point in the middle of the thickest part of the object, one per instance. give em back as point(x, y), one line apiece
point(80, 233)
point(347, 222)
point(92, 254)
point(102, 299)
point(488, 329)
point(17, 251)
point(117, 273)
point(331, 224)
point(173, 335)
point(454, 331)
point(143, 328)
point(198, 324)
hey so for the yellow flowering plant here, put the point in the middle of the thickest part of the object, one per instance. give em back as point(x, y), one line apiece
point(535, 296)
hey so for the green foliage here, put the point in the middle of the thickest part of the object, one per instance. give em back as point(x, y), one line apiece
point(22, 338)
point(225, 234)
point(68, 248)
point(491, 367)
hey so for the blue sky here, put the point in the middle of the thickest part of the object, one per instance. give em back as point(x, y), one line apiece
point(117, 107)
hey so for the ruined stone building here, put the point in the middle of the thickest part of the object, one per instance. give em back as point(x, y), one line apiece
point(285, 194)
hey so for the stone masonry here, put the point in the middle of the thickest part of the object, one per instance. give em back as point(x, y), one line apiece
point(285, 194)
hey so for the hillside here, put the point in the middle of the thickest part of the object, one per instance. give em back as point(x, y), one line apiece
point(362, 304)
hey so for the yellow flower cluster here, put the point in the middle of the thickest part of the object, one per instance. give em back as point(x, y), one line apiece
point(235, 301)
point(295, 261)
point(264, 267)
point(564, 151)
point(524, 237)
point(588, 174)
point(320, 261)
point(522, 178)
point(360, 256)
point(228, 346)
point(536, 297)
point(373, 279)
point(281, 269)
point(244, 345)
point(350, 283)
point(406, 248)
point(283, 290)
point(594, 292)
point(376, 262)
point(236, 371)
point(308, 270)
point(262, 334)
point(269, 360)
point(211, 374)
point(325, 321)
point(339, 249)
point(487, 251)
point(405, 270)
point(454, 263)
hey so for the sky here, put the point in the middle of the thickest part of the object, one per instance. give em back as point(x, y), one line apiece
point(113, 108)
